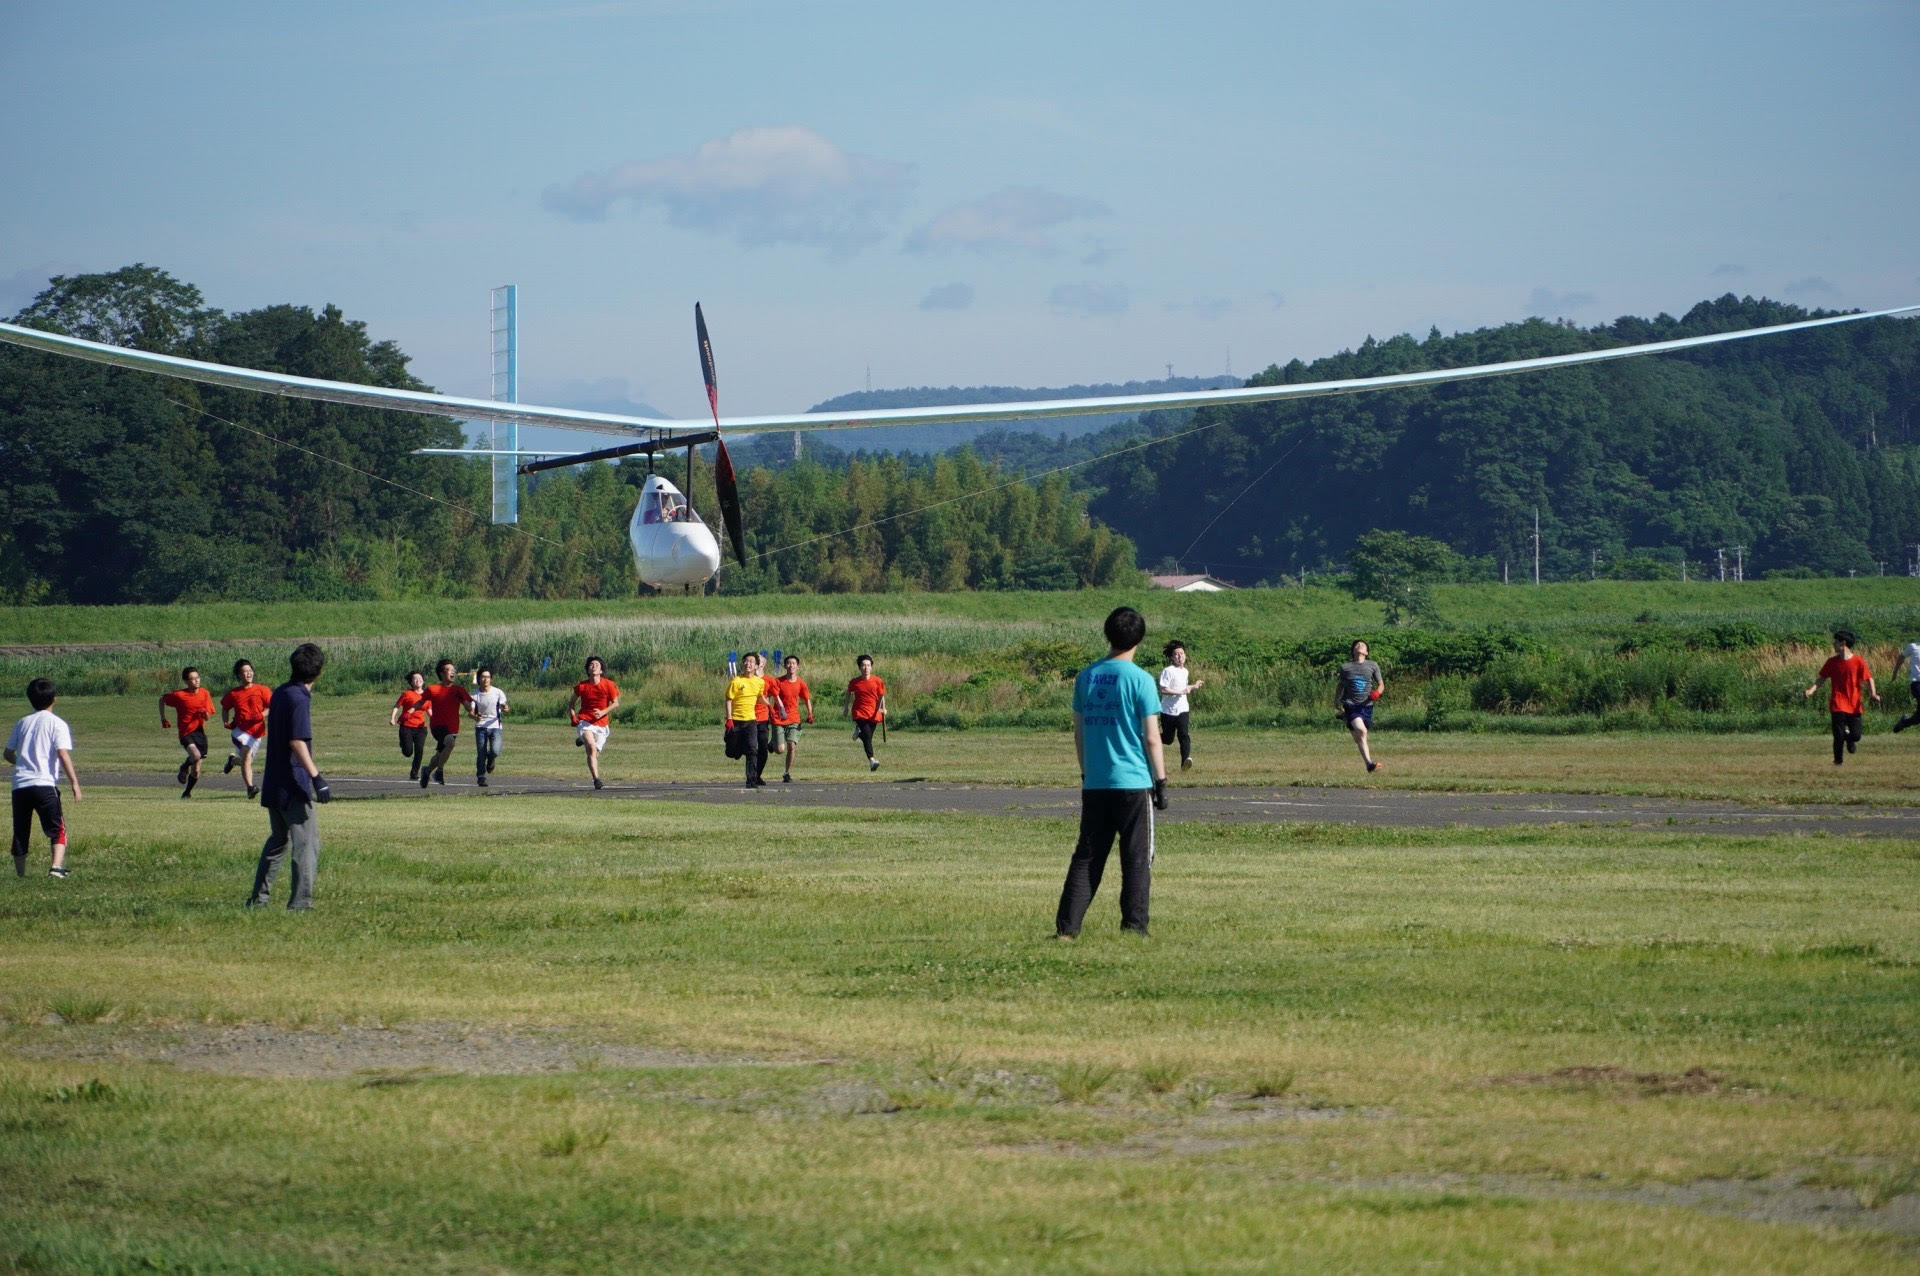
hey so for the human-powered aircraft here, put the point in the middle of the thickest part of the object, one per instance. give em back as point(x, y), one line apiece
point(671, 545)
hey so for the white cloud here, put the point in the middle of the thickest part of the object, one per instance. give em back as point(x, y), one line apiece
point(1090, 300)
point(1549, 304)
point(948, 297)
point(759, 186)
point(1019, 218)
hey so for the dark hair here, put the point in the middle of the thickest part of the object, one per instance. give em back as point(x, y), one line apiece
point(442, 664)
point(792, 657)
point(1358, 643)
point(862, 659)
point(416, 673)
point(1125, 628)
point(238, 665)
point(1171, 647)
point(486, 669)
point(306, 662)
point(40, 693)
point(189, 669)
point(592, 661)
point(1845, 635)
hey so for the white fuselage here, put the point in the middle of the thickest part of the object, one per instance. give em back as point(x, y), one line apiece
point(671, 546)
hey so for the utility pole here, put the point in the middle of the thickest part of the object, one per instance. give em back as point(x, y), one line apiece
point(1739, 562)
point(1536, 544)
point(1720, 557)
point(1503, 572)
point(1593, 570)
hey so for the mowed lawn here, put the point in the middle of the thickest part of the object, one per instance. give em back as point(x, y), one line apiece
point(123, 734)
point(1343, 1049)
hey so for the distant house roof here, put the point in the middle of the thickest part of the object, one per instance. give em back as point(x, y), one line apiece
point(1201, 584)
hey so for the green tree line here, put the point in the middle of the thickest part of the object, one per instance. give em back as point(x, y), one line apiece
point(1804, 449)
point(118, 486)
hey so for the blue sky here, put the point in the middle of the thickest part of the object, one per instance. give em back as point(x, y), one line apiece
point(989, 193)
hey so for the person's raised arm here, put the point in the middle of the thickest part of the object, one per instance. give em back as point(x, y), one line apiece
point(393, 719)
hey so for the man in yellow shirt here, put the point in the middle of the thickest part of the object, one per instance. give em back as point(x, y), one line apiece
point(747, 711)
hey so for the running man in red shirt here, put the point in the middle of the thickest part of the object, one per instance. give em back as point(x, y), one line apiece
point(1846, 672)
point(445, 701)
point(789, 690)
point(243, 712)
point(192, 705)
point(866, 704)
point(590, 709)
point(410, 716)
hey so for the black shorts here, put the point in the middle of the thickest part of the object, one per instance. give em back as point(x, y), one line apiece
point(197, 738)
point(42, 800)
point(440, 734)
point(1364, 712)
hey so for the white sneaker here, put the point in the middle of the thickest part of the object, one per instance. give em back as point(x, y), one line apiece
point(873, 764)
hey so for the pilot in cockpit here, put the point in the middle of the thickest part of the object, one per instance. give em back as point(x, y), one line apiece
point(665, 507)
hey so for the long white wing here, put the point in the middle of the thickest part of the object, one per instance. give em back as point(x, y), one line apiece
point(610, 423)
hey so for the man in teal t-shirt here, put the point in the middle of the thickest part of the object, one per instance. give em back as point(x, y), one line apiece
point(1123, 778)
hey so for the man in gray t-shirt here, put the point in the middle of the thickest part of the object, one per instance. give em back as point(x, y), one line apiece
point(1353, 696)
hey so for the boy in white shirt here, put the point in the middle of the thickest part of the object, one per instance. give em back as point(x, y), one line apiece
point(40, 748)
point(488, 706)
point(1174, 686)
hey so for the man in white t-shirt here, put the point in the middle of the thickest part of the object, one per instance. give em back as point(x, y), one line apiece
point(40, 748)
point(488, 707)
point(1174, 686)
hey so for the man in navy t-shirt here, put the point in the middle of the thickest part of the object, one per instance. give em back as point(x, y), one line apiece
point(290, 784)
point(1116, 733)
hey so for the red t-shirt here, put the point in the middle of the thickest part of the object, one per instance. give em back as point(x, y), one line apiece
point(1847, 673)
point(249, 707)
point(787, 693)
point(594, 699)
point(409, 704)
point(445, 699)
point(866, 697)
point(191, 709)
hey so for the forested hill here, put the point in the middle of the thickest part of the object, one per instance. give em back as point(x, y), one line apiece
point(1804, 449)
point(945, 438)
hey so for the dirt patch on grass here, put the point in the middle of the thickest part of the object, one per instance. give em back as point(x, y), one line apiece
point(1621, 1081)
point(378, 1055)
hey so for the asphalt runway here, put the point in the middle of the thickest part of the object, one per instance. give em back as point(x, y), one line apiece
point(1279, 804)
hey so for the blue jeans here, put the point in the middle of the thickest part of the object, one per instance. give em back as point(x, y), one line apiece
point(486, 747)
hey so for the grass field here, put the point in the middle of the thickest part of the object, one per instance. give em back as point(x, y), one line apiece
point(577, 1034)
point(845, 1042)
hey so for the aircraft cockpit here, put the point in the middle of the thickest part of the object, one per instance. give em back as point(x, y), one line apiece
point(667, 507)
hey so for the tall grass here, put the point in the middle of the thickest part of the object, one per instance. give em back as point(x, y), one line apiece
point(1565, 657)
